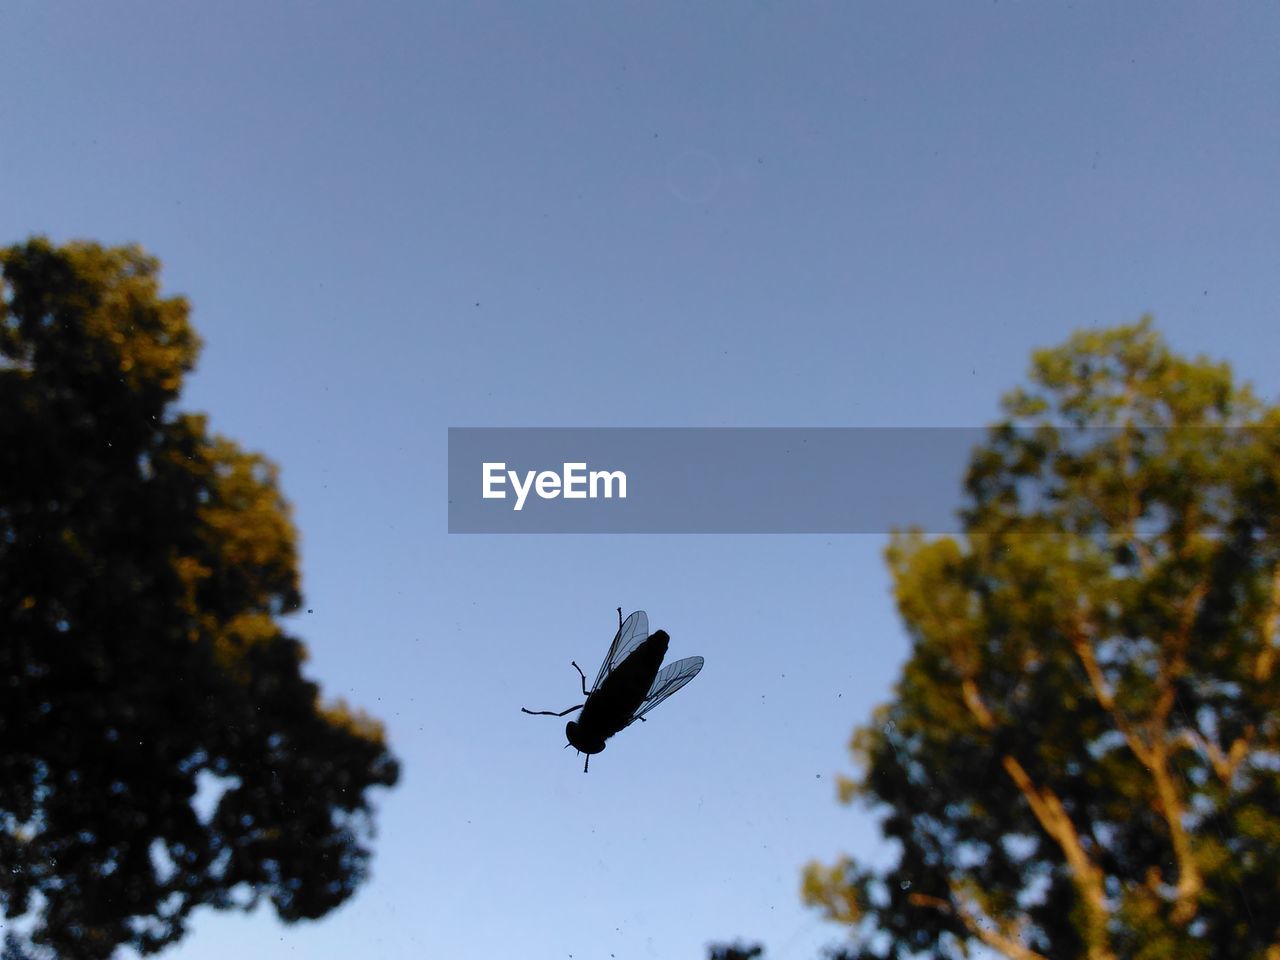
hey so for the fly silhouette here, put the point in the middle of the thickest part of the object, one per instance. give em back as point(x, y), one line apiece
point(631, 682)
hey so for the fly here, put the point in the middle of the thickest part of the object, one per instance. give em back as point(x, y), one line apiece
point(631, 682)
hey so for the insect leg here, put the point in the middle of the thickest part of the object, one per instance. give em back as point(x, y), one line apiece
point(574, 664)
point(551, 713)
point(587, 764)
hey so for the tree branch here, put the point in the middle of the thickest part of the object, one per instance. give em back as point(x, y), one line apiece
point(1190, 881)
point(973, 700)
point(1225, 764)
point(1153, 749)
point(1088, 879)
point(1265, 663)
point(1052, 816)
point(994, 934)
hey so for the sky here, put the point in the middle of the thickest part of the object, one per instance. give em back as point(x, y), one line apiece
point(392, 219)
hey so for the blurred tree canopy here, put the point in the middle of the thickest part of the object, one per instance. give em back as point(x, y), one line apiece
point(735, 951)
point(1082, 756)
point(159, 746)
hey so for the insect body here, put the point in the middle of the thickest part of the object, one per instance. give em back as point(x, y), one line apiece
point(631, 682)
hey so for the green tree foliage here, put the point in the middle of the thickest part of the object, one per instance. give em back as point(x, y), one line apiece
point(730, 951)
point(1082, 756)
point(159, 746)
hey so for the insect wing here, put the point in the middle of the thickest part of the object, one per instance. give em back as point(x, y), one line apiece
point(633, 632)
point(670, 679)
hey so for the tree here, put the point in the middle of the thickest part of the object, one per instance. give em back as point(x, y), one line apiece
point(1082, 755)
point(160, 748)
point(735, 951)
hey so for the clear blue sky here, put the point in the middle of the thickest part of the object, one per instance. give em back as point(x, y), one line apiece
point(395, 218)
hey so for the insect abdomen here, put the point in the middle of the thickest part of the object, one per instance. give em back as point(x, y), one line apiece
point(612, 705)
